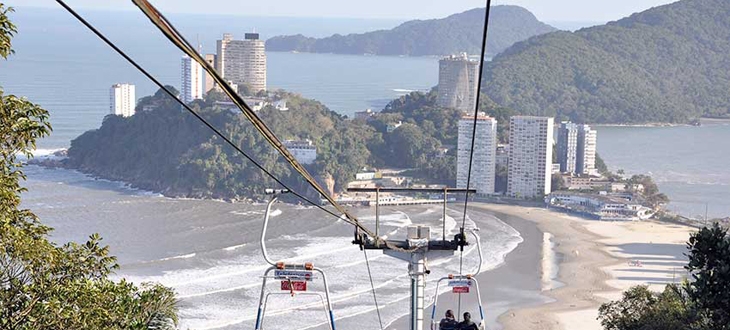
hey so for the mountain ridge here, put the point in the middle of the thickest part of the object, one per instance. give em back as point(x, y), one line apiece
point(461, 32)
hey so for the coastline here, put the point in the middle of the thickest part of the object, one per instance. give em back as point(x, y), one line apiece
point(594, 268)
point(514, 284)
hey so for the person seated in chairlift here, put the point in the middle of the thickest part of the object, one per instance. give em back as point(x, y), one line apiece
point(467, 324)
point(448, 322)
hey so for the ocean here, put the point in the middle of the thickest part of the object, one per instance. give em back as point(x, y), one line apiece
point(207, 250)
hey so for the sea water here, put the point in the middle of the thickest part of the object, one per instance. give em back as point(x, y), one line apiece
point(208, 251)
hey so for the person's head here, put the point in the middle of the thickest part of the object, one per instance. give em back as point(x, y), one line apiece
point(467, 316)
point(449, 314)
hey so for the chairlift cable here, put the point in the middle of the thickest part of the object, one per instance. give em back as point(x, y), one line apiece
point(372, 286)
point(159, 20)
point(473, 133)
point(198, 116)
point(474, 126)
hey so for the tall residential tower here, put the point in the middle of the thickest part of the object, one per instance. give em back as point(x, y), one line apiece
point(576, 149)
point(192, 80)
point(243, 62)
point(458, 78)
point(529, 171)
point(485, 148)
point(122, 100)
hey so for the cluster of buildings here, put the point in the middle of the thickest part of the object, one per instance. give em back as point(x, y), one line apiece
point(239, 62)
point(528, 157)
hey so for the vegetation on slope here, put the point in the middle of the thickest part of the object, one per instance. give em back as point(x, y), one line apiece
point(454, 34)
point(168, 150)
point(667, 64)
point(46, 286)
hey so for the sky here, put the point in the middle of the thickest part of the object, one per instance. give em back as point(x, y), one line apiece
point(546, 10)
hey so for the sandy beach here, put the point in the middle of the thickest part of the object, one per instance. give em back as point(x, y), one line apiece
point(598, 261)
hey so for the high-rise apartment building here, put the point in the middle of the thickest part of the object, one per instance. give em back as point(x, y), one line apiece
point(243, 61)
point(529, 172)
point(209, 83)
point(586, 156)
point(567, 147)
point(122, 100)
point(485, 148)
point(192, 80)
point(576, 149)
point(458, 78)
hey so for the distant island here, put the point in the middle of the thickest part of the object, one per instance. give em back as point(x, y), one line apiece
point(454, 34)
point(669, 64)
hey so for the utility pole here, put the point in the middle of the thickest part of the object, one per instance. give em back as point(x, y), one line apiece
point(415, 249)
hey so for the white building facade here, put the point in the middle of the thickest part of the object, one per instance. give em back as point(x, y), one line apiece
point(458, 78)
point(485, 149)
point(122, 100)
point(243, 61)
point(304, 151)
point(192, 80)
point(586, 155)
point(529, 172)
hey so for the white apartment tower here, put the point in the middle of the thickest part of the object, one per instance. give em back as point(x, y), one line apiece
point(529, 171)
point(576, 149)
point(458, 82)
point(192, 80)
point(243, 61)
point(485, 148)
point(122, 100)
point(586, 155)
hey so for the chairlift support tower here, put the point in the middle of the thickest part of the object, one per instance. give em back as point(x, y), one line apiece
point(418, 245)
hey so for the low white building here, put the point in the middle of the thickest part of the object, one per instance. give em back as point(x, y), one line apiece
point(393, 126)
point(602, 206)
point(304, 151)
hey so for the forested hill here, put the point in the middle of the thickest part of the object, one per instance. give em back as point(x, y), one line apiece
point(667, 64)
point(167, 150)
point(454, 34)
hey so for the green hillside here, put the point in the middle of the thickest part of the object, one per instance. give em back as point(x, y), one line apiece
point(667, 64)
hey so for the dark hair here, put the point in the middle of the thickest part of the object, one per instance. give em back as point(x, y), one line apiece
point(467, 316)
point(449, 313)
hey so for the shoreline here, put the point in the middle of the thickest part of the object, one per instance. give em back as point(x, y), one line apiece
point(515, 283)
point(594, 267)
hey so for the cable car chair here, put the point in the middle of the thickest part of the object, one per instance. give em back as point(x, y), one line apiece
point(456, 281)
point(288, 272)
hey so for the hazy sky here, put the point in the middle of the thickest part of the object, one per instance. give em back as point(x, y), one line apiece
point(545, 10)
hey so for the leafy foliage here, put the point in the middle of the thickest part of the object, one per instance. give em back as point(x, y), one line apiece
point(168, 150)
point(700, 304)
point(709, 264)
point(454, 34)
point(667, 64)
point(45, 286)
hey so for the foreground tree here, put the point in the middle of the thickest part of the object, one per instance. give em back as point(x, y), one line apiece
point(45, 286)
point(700, 304)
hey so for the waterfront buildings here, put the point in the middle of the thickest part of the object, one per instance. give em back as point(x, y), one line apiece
point(600, 206)
point(192, 80)
point(576, 149)
point(530, 156)
point(122, 100)
point(458, 78)
point(586, 157)
point(484, 156)
point(243, 62)
point(567, 147)
point(303, 150)
point(209, 83)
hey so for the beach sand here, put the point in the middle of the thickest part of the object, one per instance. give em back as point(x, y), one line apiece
point(595, 265)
